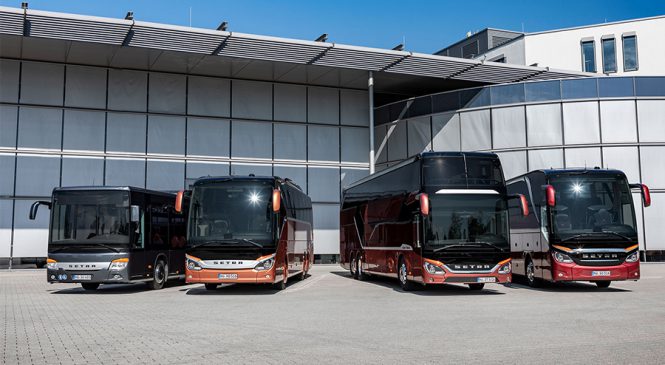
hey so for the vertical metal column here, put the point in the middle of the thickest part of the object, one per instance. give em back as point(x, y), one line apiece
point(370, 90)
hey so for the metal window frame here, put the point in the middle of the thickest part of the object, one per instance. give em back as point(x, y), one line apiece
point(602, 53)
point(623, 52)
point(584, 41)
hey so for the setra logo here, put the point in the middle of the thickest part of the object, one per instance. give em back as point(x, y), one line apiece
point(471, 267)
point(82, 266)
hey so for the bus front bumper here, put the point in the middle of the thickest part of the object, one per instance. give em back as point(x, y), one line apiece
point(449, 276)
point(575, 272)
point(214, 276)
point(103, 276)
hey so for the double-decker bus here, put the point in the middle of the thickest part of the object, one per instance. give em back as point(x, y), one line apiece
point(436, 218)
point(582, 226)
point(247, 229)
point(113, 235)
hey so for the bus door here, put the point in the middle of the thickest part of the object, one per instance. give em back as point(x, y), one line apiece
point(177, 234)
point(137, 246)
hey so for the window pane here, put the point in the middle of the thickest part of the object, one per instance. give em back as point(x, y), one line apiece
point(125, 172)
point(39, 128)
point(514, 163)
point(128, 90)
point(474, 98)
point(82, 171)
point(355, 144)
point(446, 131)
point(420, 140)
point(380, 145)
point(323, 105)
point(199, 169)
point(166, 135)
point(125, 132)
point(208, 137)
point(625, 159)
point(238, 169)
point(579, 89)
point(617, 119)
point(615, 86)
point(507, 94)
point(397, 141)
point(609, 55)
point(6, 211)
point(349, 176)
point(476, 130)
point(290, 103)
point(588, 57)
point(30, 236)
point(42, 83)
point(167, 93)
point(653, 173)
point(251, 139)
point(508, 127)
point(296, 173)
point(545, 159)
point(85, 87)
point(251, 100)
point(9, 75)
point(650, 116)
point(354, 107)
point(209, 96)
point(84, 130)
point(649, 86)
point(323, 143)
point(7, 177)
point(8, 125)
point(326, 228)
point(580, 123)
point(583, 157)
point(165, 175)
point(290, 142)
point(323, 184)
point(630, 53)
point(37, 175)
point(544, 124)
point(542, 91)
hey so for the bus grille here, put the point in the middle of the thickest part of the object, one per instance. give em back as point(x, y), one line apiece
point(600, 258)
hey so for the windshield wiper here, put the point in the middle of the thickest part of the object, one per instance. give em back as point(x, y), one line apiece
point(595, 234)
point(88, 244)
point(227, 243)
point(469, 244)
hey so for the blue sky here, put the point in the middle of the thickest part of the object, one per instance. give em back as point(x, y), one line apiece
point(427, 26)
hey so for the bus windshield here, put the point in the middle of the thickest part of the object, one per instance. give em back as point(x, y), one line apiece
point(90, 217)
point(232, 211)
point(593, 205)
point(462, 171)
point(467, 218)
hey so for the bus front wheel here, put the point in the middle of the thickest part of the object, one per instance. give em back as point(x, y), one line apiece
point(531, 278)
point(282, 284)
point(603, 283)
point(210, 286)
point(90, 286)
point(403, 278)
point(159, 276)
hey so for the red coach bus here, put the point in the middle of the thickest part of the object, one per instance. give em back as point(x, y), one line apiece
point(582, 227)
point(436, 218)
point(247, 230)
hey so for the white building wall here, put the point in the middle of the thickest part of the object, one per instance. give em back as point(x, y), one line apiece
point(561, 49)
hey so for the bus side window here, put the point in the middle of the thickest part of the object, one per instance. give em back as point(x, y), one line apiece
point(159, 227)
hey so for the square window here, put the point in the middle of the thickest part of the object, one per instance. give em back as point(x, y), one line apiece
point(85, 87)
point(323, 105)
point(37, 175)
point(355, 145)
point(126, 132)
point(128, 90)
point(166, 135)
point(208, 137)
point(42, 83)
point(323, 143)
point(290, 103)
point(251, 139)
point(165, 175)
point(209, 96)
point(82, 171)
point(40, 128)
point(252, 100)
point(290, 142)
point(167, 93)
point(84, 130)
point(125, 172)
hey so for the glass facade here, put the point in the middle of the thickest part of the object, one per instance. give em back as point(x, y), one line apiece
point(68, 125)
point(609, 122)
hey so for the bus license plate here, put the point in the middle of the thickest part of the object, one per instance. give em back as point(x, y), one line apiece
point(227, 276)
point(487, 280)
point(81, 277)
point(600, 273)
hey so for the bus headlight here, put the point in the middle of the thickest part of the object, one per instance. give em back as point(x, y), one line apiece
point(633, 257)
point(433, 269)
point(193, 264)
point(265, 264)
point(562, 257)
point(506, 268)
point(119, 264)
point(51, 264)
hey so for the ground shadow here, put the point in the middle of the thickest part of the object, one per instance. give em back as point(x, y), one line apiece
point(241, 289)
point(428, 290)
point(114, 288)
point(520, 283)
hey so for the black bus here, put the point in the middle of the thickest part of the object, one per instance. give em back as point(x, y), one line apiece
point(112, 235)
point(436, 218)
point(247, 229)
point(582, 226)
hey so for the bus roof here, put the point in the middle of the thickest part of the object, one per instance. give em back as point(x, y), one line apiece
point(571, 171)
point(110, 188)
point(422, 155)
point(213, 179)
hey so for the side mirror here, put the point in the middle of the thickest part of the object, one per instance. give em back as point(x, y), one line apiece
point(35, 206)
point(646, 194)
point(178, 201)
point(135, 213)
point(524, 204)
point(276, 200)
point(550, 196)
point(424, 204)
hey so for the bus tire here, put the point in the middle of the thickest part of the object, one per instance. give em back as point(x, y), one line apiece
point(603, 284)
point(305, 268)
point(477, 286)
point(353, 266)
point(402, 273)
point(359, 269)
point(159, 276)
point(531, 278)
point(210, 286)
point(282, 284)
point(90, 286)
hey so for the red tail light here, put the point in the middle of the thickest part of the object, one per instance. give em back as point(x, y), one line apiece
point(178, 201)
point(525, 205)
point(424, 204)
point(276, 200)
point(646, 195)
point(551, 196)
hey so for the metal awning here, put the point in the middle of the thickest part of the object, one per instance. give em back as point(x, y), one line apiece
point(206, 42)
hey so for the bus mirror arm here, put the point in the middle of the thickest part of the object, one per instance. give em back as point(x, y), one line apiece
point(524, 204)
point(646, 194)
point(35, 207)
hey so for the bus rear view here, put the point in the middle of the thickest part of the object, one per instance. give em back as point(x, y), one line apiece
point(248, 230)
point(584, 228)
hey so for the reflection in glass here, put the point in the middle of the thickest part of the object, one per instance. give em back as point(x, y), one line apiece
point(542, 91)
point(630, 53)
point(609, 56)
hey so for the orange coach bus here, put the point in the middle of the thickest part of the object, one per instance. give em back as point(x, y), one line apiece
point(247, 229)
